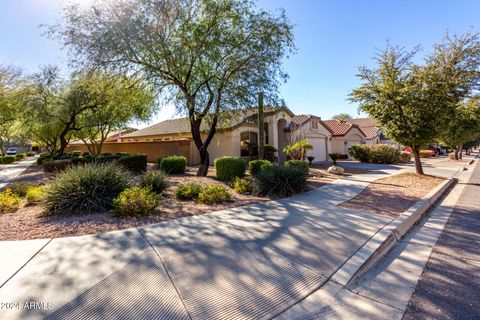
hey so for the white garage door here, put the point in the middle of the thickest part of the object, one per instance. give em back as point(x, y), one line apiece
point(319, 149)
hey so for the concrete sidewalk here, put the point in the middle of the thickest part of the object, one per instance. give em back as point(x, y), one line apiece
point(250, 262)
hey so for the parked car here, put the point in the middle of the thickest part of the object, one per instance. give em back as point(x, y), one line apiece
point(11, 151)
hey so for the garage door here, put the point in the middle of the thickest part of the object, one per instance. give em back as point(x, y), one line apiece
point(319, 149)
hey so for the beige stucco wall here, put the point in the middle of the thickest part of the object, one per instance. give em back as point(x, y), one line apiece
point(353, 137)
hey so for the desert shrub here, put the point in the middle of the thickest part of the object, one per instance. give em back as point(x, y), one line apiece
point(19, 156)
point(188, 191)
point(30, 153)
point(425, 153)
point(269, 152)
point(53, 166)
point(35, 194)
point(214, 194)
point(280, 181)
point(360, 152)
point(76, 153)
point(89, 188)
point(383, 153)
point(173, 164)
point(405, 156)
point(299, 164)
point(242, 186)
point(19, 188)
point(228, 168)
point(255, 166)
point(136, 201)
point(136, 163)
point(7, 159)
point(156, 181)
point(9, 201)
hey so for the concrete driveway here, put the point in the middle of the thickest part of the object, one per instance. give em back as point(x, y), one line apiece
point(9, 172)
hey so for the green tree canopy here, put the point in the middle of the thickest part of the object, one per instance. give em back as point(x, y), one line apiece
point(342, 116)
point(206, 55)
point(412, 102)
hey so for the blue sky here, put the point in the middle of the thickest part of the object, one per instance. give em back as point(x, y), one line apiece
point(333, 38)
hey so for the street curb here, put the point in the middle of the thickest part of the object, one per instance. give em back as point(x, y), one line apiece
point(381, 243)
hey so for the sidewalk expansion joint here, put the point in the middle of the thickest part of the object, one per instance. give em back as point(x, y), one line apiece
point(168, 274)
point(34, 255)
point(371, 299)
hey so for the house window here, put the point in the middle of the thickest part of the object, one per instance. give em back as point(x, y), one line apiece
point(314, 125)
point(248, 144)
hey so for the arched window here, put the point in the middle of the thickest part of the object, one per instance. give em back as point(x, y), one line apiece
point(248, 144)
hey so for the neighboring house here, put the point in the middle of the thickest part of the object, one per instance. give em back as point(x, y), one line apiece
point(316, 132)
point(238, 136)
point(374, 133)
point(344, 135)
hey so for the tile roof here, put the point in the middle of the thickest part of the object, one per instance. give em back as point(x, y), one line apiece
point(303, 118)
point(182, 125)
point(368, 126)
point(340, 128)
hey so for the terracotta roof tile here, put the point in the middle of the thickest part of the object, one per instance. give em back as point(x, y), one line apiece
point(340, 128)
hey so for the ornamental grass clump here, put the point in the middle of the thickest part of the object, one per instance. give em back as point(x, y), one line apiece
point(280, 181)
point(86, 189)
point(156, 181)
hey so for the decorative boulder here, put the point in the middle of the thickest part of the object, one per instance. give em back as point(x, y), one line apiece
point(335, 170)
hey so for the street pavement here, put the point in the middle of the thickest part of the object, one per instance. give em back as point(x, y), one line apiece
point(251, 262)
point(449, 287)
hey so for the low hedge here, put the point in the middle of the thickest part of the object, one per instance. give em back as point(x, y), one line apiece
point(405, 156)
point(135, 163)
point(7, 159)
point(299, 164)
point(255, 166)
point(20, 156)
point(54, 166)
point(379, 153)
point(43, 157)
point(425, 153)
point(30, 153)
point(228, 168)
point(173, 164)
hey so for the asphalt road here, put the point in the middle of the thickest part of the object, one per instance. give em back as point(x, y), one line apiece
point(449, 287)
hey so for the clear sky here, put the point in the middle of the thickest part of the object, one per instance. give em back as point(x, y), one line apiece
point(333, 38)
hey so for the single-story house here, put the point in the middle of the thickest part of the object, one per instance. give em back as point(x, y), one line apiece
point(374, 133)
point(344, 135)
point(237, 135)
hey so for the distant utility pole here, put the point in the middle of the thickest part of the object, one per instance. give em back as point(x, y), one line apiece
point(261, 128)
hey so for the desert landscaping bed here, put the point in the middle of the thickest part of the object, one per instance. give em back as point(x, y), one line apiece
point(28, 223)
point(392, 195)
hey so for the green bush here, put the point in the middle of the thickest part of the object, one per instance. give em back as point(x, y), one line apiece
point(255, 166)
point(383, 153)
point(89, 188)
point(173, 164)
point(280, 181)
point(30, 153)
point(104, 158)
point(269, 152)
point(76, 153)
point(242, 186)
point(19, 156)
point(7, 159)
point(405, 156)
point(228, 168)
point(43, 157)
point(121, 154)
point(54, 166)
point(136, 201)
point(188, 191)
point(156, 181)
point(136, 163)
point(9, 201)
point(299, 164)
point(35, 194)
point(214, 194)
point(360, 152)
point(19, 188)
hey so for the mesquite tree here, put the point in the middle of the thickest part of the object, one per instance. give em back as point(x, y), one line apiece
point(414, 102)
point(208, 55)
